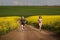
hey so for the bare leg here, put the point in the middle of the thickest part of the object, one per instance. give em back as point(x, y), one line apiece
point(22, 28)
point(40, 25)
point(40, 28)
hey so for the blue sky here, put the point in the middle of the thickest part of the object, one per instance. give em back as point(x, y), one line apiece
point(29, 2)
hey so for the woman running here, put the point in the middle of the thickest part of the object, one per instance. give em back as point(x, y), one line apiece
point(40, 22)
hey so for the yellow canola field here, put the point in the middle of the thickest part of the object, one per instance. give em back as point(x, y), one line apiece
point(8, 23)
point(11, 22)
point(46, 19)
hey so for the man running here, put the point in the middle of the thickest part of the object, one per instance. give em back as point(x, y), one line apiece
point(22, 21)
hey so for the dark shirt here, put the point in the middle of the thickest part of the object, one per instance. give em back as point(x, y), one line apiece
point(22, 21)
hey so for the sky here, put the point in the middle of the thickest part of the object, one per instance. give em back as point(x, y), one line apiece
point(29, 2)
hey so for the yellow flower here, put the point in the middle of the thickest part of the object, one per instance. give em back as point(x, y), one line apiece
point(0, 28)
point(45, 19)
point(9, 22)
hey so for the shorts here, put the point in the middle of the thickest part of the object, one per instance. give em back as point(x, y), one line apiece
point(23, 24)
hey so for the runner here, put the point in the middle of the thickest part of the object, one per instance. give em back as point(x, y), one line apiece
point(22, 21)
point(40, 22)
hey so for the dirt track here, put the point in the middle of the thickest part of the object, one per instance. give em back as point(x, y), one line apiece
point(30, 33)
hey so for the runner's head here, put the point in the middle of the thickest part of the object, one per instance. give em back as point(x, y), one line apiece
point(40, 17)
point(22, 17)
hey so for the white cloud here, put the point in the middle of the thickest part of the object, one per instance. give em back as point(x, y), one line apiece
point(15, 3)
point(29, 2)
point(52, 2)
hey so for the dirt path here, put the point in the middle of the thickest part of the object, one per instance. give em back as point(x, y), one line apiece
point(30, 33)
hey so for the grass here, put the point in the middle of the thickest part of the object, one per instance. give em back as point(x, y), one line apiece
point(29, 10)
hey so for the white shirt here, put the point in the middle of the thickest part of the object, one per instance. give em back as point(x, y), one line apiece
point(40, 20)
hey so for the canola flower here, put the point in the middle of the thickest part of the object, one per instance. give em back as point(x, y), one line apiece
point(8, 23)
point(46, 19)
point(11, 22)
